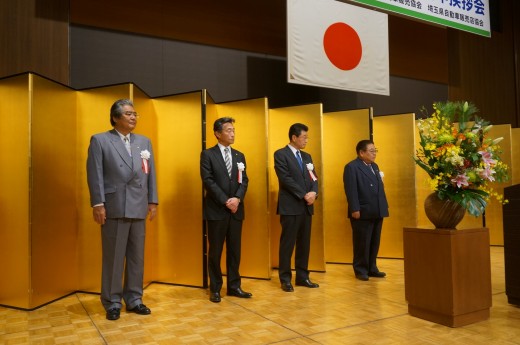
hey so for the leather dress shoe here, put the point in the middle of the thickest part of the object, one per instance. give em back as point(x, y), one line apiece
point(287, 287)
point(214, 297)
point(363, 277)
point(140, 309)
point(377, 274)
point(113, 314)
point(307, 283)
point(238, 292)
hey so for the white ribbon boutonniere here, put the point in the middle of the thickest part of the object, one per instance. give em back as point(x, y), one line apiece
point(310, 167)
point(145, 156)
point(241, 167)
point(382, 174)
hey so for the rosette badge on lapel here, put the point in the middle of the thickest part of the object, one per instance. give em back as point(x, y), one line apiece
point(310, 167)
point(145, 156)
point(241, 167)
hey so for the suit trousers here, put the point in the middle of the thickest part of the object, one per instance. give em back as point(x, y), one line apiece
point(229, 231)
point(296, 231)
point(366, 237)
point(122, 238)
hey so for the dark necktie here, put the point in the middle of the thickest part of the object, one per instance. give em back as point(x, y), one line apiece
point(299, 159)
point(370, 166)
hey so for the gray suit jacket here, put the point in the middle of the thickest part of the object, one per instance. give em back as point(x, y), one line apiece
point(118, 180)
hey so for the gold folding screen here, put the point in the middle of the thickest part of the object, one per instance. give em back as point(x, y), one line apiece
point(53, 246)
point(280, 119)
point(342, 130)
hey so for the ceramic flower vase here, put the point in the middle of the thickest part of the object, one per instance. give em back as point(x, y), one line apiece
point(444, 214)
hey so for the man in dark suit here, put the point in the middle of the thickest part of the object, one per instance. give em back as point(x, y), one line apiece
point(367, 205)
point(223, 174)
point(298, 189)
point(122, 185)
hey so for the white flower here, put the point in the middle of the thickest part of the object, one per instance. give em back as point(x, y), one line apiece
point(382, 174)
point(145, 154)
point(310, 166)
point(241, 166)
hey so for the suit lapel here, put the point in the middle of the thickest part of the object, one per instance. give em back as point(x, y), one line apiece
point(218, 156)
point(120, 148)
point(294, 160)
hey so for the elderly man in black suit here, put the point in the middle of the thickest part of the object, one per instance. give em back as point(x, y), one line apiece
point(367, 206)
point(223, 173)
point(298, 189)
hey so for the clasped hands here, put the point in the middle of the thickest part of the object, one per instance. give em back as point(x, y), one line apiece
point(232, 204)
point(310, 197)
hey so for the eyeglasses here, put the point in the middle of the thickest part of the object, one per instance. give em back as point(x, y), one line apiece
point(373, 151)
point(131, 113)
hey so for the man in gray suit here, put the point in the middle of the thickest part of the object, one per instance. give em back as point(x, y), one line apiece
point(122, 185)
point(367, 206)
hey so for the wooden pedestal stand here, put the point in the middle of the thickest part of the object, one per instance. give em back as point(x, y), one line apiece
point(447, 275)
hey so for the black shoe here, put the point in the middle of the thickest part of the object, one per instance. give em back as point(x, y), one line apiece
point(307, 283)
point(287, 287)
point(377, 274)
point(238, 292)
point(113, 314)
point(140, 309)
point(214, 297)
point(363, 277)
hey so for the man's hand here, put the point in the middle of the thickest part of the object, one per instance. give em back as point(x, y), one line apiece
point(99, 214)
point(152, 211)
point(310, 198)
point(356, 215)
point(232, 204)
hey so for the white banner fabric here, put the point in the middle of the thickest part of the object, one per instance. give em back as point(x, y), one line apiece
point(336, 45)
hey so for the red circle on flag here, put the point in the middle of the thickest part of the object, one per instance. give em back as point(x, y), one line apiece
point(342, 46)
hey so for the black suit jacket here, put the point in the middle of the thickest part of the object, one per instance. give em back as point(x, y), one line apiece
point(365, 190)
point(293, 183)
point(218, 186)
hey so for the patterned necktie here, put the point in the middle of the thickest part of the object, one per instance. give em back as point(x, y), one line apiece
point(127, 145)
point(299, 159)
point(370, 166)
point(227, 160)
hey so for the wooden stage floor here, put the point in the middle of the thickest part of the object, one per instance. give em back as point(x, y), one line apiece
point(342, 311)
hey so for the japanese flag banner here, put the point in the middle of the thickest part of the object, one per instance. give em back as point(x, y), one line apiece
point(336, 45)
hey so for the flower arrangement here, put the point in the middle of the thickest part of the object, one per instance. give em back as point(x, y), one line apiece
point(459, 157)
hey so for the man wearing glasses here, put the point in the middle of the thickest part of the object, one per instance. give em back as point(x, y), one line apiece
point(367, 205)
point(122, 185)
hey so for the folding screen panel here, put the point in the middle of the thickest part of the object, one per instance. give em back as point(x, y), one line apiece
point(179, 240)
point(280, 119)
point(15, 193)
point(394, 139)
point(251, 139)
point(93, 116)
point(341, 132)
point(54, 265)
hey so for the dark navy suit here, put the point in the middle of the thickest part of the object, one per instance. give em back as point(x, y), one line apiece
point(365, 193)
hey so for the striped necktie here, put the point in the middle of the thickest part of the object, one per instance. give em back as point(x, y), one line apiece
point(227, 160)
point(299, 159)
